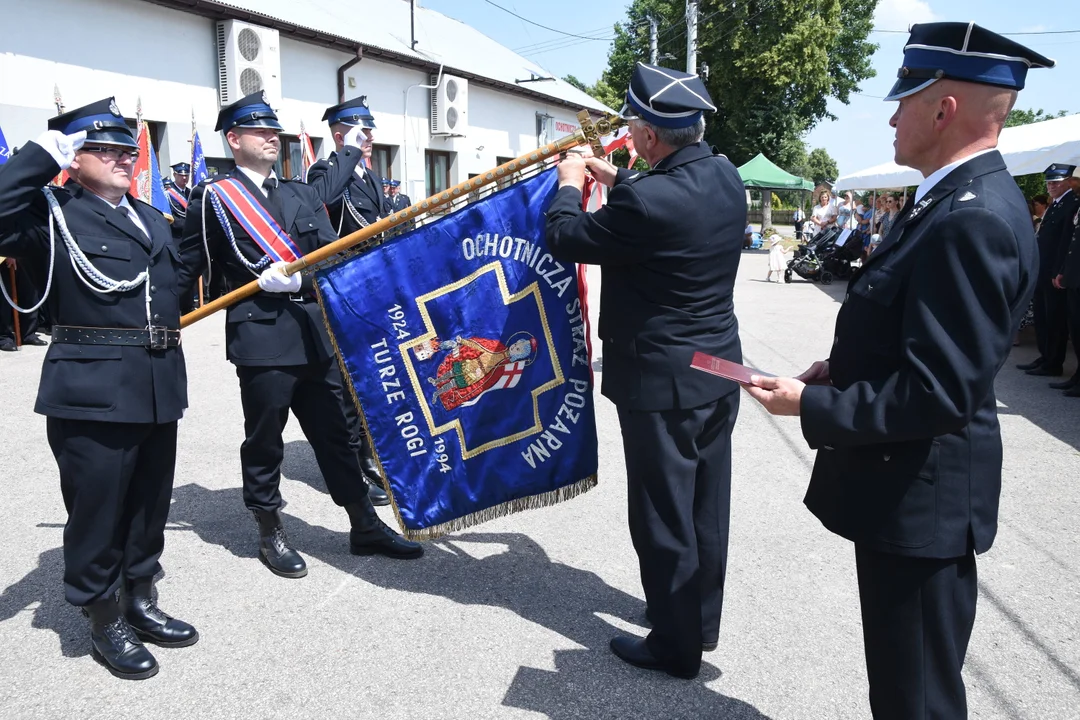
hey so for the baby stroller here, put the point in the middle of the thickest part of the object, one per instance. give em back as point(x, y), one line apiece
point(811, 261)
point(837, 254)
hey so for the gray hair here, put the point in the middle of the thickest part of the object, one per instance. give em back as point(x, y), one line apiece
point(678, 137)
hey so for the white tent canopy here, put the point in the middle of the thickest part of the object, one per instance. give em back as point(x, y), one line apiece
point(1027, 149)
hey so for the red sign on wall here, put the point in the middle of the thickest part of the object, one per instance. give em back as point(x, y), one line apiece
point(562, 127)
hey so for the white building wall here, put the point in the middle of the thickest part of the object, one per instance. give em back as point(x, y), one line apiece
point(167, 58)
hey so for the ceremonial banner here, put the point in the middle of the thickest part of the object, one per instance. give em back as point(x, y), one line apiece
point(307, 154)
point(465, 343)
point(198, 162)
point(5, 151)
point(146, 183)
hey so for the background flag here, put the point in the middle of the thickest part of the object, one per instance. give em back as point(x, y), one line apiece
point(307, 153)
point(146, 181)
point(465, 343)
point(5, 151)
point(198, 162)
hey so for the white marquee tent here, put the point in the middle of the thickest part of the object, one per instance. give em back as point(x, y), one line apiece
point(1027, 149)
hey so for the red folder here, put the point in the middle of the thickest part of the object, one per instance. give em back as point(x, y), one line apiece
point(725, 368)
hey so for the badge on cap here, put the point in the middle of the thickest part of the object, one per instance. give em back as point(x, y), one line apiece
point(113, 108)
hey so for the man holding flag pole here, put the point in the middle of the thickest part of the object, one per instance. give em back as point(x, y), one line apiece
point(252, 224)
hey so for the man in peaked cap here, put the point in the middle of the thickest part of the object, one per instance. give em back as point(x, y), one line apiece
point(669, 242)
point(398, 200)
point(277, 338)
point(903, 412)
point(111, 397)
point(1050, 307)
point(1068, 279)
point(354, 197)
point(176, 189)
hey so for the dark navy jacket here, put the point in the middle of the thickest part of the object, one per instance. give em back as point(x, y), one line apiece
point(109, 383)
point(266, 329)
point(910, 453)
point(333, 176)
point(669, 242)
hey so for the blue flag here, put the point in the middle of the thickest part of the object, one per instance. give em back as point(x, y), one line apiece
point(5, 151)
point(198, 162)
point(158, 198)
point(465, 344)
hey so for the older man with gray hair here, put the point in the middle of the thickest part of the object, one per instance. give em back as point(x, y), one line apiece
point(669, 242)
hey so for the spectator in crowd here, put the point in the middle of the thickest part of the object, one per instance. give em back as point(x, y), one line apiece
point(748, 237)
point(879, 212)
point(892, 210)
point(1039, 204)
point(798, 218)
point(824, 214)
point(844, 211)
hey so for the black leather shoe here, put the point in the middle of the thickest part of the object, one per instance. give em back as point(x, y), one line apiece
point(8, 345)
point(149, 622)
point(274, 548)
point(1037, 362)
point(370, 535)
point(35, 340)
point(371, 469)
point(1044, 371)
point(709, 647)
point(636, 652)
point(1074, 391)
point(377, 495)
point(1066, 384)
point(114, 644)
point(705, 646)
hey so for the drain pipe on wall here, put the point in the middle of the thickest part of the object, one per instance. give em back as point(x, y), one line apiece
point(405, 122)
point(343, 69)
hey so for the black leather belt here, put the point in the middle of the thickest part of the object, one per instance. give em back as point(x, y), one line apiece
point(155, 338)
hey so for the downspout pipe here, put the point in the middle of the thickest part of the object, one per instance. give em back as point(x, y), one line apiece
point(345, 68)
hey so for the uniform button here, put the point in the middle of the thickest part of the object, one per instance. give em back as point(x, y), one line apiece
point(153, 289)
point(869, 287)
point(249, 315)
point(104, 248)
point(157, 318)
point(886, 457)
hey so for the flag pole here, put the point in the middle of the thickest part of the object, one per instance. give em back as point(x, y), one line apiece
point(590, 133)
point(14, 301)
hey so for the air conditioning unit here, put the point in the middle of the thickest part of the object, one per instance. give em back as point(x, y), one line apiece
point(449, 106)
point(249, 60)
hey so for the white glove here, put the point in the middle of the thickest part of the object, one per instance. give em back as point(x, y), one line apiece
point(274, 279)
point(62, 147)
point(355, 137)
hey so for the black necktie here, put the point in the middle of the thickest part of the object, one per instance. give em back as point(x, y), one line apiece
point(273, 196)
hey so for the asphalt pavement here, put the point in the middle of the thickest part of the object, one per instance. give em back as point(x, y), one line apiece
point(512, 619)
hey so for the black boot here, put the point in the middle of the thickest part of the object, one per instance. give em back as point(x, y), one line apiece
point(370, 536)
point(115, 645)
point(376, 494)
point(1066, 384)
point(274, 548)
point(366, 455)
point(149, 622)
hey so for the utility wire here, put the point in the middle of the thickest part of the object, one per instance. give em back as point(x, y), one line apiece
point(545, 27)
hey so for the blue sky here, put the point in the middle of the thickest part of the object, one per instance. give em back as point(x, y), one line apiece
point(860, 136)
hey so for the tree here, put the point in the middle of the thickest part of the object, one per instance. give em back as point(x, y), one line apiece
point(599, 90)
point(820, 167)
point(773, 64)
point(1035, 184)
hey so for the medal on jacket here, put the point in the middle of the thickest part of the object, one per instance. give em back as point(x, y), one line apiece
point(256, 220)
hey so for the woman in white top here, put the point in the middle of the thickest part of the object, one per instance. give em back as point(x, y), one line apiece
point(824, 213)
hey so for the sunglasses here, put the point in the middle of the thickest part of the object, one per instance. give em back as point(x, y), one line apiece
point(116, 154)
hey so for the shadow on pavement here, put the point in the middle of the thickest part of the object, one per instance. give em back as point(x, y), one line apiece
point(523, 579)
point(44, 587)
point(1030, 397)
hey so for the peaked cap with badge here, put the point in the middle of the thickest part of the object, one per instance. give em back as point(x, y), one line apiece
point(181, 168)
point(249, 111)
point(1059, 171)
point(962, 51)
point(351, 112)
point(102, 122)
point(665, 98)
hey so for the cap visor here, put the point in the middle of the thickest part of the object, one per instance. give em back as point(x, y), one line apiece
point(111, 137)
point(908, 86)
point(260, 122)
point(629, 112)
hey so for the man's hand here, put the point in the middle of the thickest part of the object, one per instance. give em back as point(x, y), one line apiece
point(1059, 282)
point(274, 279)
point(572, 171)
point(355, 137)
point(604, 172)
point(780, 396)
point(816, 374)
point(62, 147)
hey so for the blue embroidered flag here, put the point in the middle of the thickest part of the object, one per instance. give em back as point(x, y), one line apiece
point(198, 162)
point(5, 151)
point(465, 344)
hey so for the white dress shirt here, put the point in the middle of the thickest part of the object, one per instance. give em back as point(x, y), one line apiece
point(257, 179)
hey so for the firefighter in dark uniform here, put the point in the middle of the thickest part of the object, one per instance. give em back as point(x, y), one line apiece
point(113, 385)
point(398, 201)
point(1069, 279)
point(668, 241)
point(903, 412)
point(354, 199)
point(178, 192)
point(27, 297)
point(1050, 306)
point(277, 339)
